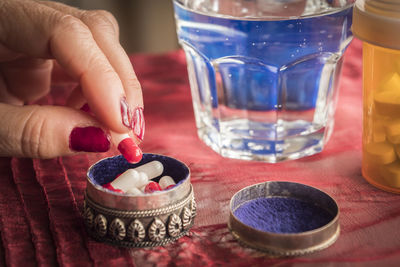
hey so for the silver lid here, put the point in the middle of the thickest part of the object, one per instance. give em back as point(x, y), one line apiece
point(285, 244)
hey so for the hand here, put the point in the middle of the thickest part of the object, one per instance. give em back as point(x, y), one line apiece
point(85, 44)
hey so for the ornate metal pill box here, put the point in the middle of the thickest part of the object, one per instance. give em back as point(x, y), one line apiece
point(138, 221)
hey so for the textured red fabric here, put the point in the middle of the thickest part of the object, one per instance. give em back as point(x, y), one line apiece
point(63, 212)
point(15, 234)
point(35, 206)
point(40, 200)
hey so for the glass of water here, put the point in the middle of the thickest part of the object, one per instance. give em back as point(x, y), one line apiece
point(264, 73)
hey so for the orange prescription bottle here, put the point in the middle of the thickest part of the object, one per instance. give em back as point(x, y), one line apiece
point(377, 24)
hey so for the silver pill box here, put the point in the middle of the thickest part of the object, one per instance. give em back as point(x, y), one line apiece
point(147, 220)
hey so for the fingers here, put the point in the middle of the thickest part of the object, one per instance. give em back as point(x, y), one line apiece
point(59, 76)
point(43, 31)
point(123, 142)
point(7, 97)
point(76, 99)
point(133, 111)
point(27, 79)
point(43, 132)
point(105, 32)
point(23, 79)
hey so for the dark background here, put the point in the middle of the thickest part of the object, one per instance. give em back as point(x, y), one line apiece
point(145, 25)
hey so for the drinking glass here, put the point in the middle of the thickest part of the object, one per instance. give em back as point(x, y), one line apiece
point(264, 73)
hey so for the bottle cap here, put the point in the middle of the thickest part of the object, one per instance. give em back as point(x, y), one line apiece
point(377, 22)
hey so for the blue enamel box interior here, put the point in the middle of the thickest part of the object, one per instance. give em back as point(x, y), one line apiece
point(107, 169)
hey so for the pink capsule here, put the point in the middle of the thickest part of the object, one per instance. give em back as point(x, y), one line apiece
point(152, 187)
point(166, 182)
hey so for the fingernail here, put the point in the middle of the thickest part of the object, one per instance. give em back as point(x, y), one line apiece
point(130, 150)
point(126, 113)
point(138, 124)
point(133, 120)
point(89, 139)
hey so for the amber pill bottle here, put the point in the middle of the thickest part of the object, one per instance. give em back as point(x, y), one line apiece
point(377, 24)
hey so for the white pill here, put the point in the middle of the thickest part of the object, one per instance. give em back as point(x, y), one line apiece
point(134, 191)
point(152, 169)
point(130, 179)
point(166, 181)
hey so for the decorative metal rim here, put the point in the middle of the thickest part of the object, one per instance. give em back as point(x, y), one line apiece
point(100, 225)
point(186, 217)
point(117, 229)
point(175, 225)
point(136, 225)
point(88, 216)
point(156, 224)
point(140, 213)
point(157, 230)
point(129, 244)
point(291, 253)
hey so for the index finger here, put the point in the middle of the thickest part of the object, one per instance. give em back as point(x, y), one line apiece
point(42, 31)
point(104, 29)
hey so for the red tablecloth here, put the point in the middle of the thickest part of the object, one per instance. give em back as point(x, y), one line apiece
point(40, 200)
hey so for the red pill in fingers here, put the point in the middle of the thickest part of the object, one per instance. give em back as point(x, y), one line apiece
point(127, 147)
point(130, 150)
point(152, 187)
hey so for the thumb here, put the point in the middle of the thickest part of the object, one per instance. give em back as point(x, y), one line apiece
point(48, 131)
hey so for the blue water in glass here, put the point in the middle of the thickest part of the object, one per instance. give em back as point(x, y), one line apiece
point(265, 72)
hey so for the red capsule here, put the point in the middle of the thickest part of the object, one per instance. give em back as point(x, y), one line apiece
point(152, 187)
point(110, 187)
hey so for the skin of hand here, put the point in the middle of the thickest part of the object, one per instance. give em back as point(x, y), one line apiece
point(35, 38)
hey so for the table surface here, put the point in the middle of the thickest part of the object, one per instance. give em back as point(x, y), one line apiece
point(40, 200)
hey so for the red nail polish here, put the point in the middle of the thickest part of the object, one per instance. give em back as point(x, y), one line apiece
point(152, 187)
point(126, 113)
point(133, 120)
point(130, 150)
point(138, 123)
point(89, 139)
